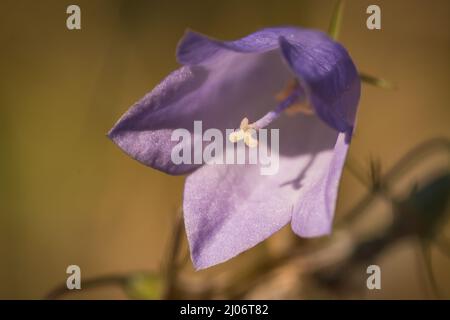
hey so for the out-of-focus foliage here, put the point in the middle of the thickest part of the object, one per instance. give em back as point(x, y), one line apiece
point(144, 286)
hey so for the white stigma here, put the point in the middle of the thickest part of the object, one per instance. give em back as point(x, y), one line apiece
point(245, 133)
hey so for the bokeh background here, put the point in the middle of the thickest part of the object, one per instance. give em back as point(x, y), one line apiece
point(69, 196)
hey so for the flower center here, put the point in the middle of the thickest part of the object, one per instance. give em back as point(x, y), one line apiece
point(289, 99)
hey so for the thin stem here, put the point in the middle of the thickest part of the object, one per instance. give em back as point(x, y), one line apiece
point(121, 280)
point(184, 259)
point(364, 203)
point(336, 20)
point(413, 156)
point(245, 281)
point(375, 81)
point(171, 268)
point(357, 210)
point(356, 170)
point(108, 280)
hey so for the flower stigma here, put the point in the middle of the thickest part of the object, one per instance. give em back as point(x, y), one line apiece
point(245, 132)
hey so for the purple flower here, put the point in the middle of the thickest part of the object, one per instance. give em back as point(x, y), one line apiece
point(230, 208)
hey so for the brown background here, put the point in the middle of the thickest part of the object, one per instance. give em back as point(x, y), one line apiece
point(69, 196)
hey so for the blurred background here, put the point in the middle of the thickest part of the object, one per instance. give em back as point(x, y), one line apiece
point(69, 196)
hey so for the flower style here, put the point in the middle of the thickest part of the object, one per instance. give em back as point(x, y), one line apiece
point(297, 80)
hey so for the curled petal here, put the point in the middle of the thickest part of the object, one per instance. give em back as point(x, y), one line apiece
point(329, 77)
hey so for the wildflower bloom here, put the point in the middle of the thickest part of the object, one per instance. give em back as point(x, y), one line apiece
point(256, 81)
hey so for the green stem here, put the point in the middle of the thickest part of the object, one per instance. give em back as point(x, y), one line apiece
point(336, 20)
point(377, 82)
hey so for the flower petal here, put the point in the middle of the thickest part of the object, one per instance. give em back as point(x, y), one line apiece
point(195, 48)
point(313, 215)
point(230, 208)
point(144, 131)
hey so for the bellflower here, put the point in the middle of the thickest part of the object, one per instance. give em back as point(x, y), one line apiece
point(266, 75)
